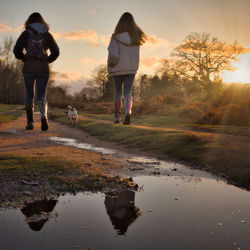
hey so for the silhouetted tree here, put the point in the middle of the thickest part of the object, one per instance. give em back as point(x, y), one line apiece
point(204, 57)
point(11, 83)
point(101, 80)
point(100, 76)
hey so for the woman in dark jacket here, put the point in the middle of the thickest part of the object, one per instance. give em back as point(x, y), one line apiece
point(36, 41)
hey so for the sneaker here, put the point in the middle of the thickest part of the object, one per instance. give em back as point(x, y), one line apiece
point(29, 126)
point(127, 119)
point(44, 124)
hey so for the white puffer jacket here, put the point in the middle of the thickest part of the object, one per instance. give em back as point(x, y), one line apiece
point(123, 58)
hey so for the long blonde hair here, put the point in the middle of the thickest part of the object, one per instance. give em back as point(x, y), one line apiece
point(127, 24)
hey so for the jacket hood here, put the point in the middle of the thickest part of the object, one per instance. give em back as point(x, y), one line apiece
point(124, 38)
point(38, 27)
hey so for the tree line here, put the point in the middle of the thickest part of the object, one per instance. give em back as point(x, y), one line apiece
point(189, 81)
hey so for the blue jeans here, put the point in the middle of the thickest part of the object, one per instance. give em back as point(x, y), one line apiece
point(127, 82)
point(41, 85)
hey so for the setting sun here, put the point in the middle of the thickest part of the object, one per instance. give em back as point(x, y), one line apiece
point(241, 73)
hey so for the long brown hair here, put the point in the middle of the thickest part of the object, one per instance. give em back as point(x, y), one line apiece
point(35, 18)
point(127, 24)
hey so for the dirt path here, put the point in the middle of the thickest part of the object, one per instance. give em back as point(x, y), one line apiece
point(14, 139)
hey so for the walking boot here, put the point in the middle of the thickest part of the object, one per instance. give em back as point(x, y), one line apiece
point(43, 110)
point(117, 111)
point(128, 108)
point(29, 113)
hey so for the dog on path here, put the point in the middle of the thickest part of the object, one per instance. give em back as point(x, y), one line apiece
point(72, 115)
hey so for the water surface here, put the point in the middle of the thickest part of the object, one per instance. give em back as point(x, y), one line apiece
point(181, 212)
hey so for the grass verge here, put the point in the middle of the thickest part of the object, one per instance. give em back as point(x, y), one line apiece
point(177, 122)
point(9, 113)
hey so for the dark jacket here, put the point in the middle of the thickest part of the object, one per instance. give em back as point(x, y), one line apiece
point(33, 65)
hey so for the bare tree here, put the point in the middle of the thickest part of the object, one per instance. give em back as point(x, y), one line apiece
point(168, 69)
point(11, 83)
point(204, 57)
point(100, 76)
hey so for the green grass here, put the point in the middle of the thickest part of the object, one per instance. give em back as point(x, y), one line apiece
point(202, 150)
point(8, 107)
point(177, 122)
point(108, 117)
point(9, 113)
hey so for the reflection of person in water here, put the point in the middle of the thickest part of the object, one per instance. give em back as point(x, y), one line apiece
point(121, 209)
point(37, 213)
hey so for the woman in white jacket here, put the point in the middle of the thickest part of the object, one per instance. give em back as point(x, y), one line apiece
point(123, 61)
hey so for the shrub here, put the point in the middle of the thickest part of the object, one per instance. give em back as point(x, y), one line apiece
point(98, 107)
point(190, 111)
point(231, 114)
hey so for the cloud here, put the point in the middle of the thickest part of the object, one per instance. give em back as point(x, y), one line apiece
point(154, 42)
point(5, 27)
point(91, 37)
point(149, 64)
point(65, 76)
point(74, 81)
point(150, 61)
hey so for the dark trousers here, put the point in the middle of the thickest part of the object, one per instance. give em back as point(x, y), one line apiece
point(41, 85)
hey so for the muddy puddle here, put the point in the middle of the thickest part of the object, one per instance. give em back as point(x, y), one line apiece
point(140, 165)
point(175, 208)
point(166, 213)
point(76, 144)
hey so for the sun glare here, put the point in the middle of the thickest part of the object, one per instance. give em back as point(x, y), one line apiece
point(241, 73)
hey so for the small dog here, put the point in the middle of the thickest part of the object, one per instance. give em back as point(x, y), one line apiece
point(72, 115)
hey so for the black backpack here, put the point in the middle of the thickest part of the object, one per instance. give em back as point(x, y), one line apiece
point(35, 48)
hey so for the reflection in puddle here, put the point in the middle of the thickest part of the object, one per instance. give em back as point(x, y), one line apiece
point(181, 210)
point(74, 143)
point(121, 209)
point(37, 213)
point(176, 213)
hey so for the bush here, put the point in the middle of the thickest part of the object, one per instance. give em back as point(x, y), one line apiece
point(98, 107)
point(231, 114)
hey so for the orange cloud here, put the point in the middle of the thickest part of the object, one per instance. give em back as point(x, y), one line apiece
point(73, 81)
point(150, 61)
point(90, 37)
point(5, 28)
point(154, 42)
point(66, 77)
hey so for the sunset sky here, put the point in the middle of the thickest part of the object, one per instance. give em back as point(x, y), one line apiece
point(82, 29)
